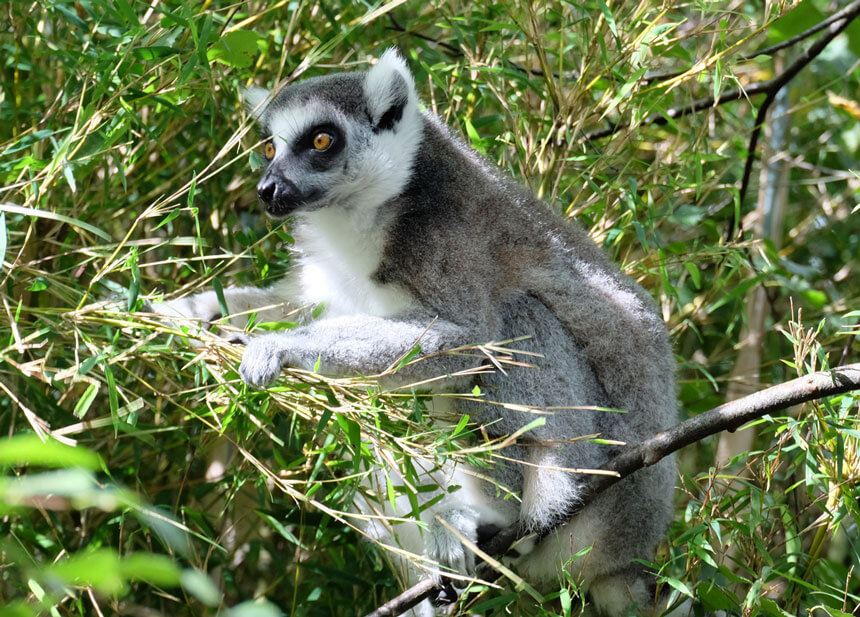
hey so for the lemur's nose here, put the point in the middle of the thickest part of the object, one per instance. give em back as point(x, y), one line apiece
point(279, 194)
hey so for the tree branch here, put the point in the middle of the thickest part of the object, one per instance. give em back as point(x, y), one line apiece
point(726, 417)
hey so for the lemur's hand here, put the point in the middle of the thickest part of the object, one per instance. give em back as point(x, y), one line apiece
point(263, 359)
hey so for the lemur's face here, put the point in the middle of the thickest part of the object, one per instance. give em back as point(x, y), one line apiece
point(308, 149)
point(345, 139)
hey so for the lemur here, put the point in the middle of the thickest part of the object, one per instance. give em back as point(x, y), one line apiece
point(407, 235)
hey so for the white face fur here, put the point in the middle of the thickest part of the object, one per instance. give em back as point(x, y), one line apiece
point(345, 140)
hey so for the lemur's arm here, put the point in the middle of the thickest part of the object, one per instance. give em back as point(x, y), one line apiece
point(361, 344)
point(269, 304)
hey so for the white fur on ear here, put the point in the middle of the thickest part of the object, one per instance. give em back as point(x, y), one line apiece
point(389, 81)
point(254, 98)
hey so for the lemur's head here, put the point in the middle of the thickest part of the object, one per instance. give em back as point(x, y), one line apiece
point(347, 138)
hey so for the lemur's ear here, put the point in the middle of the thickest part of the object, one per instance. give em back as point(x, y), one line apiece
point(255, 100)
point(388, 88)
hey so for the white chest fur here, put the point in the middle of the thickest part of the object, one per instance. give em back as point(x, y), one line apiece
point(339, 251)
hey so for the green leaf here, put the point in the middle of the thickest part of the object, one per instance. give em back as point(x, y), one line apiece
point(715, 597)
point(237, 49)
point(797, 20)
point(99, 569)
point(474, 137)
point(274, 326)
point(219, 293)
point(679, 586)
point(153, 52)
point(565, 601)
point(30, 450)
point(718, 79)
point(69, 174)
point(816, 298)
point(408, 357)
point(694, 273)
point(28, 140)
point(3, 239)
point(77, 484)
point(283, 531)
point(134, 284)
point(55, 217)
point(84, 403)
point(736, 292)
point(127, 12)
point(607, 14)
point(170, 216)
point(833, 612)
point(39, 284)
point(88, 364)
point(17, 608)
point(253, 609)
point(201, 587)
point(113, 398)
point(389, 491)
point(154, 569)
point(461, 425)
point(351, 428)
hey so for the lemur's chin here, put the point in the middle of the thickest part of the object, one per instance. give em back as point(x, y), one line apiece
point(276, 211)
point(279, 209)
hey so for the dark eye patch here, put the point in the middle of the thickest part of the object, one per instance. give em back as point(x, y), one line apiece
point(320, 159)
point(306, 141)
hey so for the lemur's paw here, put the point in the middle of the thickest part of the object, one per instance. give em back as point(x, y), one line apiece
point(261, 362)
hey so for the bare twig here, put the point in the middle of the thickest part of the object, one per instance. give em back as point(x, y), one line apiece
point(766, 51)
point(406, 600)
point(453, 50)
point(839, 21)
point(836, 26)
point(726, 417)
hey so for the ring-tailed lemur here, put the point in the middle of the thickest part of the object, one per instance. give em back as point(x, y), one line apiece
point(407, 235)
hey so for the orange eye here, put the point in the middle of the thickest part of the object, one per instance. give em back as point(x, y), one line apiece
point(322, 141)
point(270, 150)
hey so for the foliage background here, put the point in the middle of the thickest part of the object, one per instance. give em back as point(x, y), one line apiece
point(178, 491)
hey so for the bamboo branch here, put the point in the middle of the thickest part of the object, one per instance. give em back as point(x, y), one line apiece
point(727, 417)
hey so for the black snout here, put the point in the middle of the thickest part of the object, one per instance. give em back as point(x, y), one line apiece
point(280, 195)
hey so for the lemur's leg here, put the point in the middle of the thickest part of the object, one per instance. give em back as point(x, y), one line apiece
point(362, 344)
point(468, 503)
